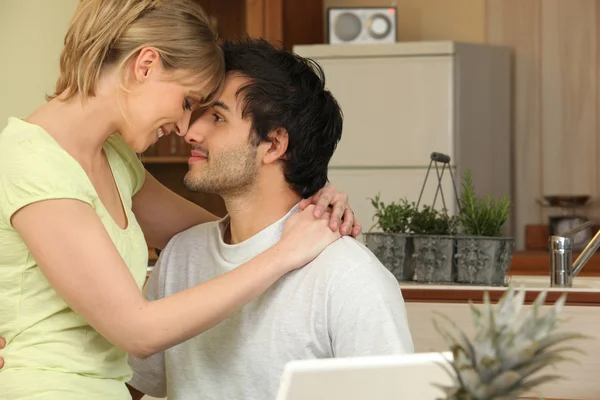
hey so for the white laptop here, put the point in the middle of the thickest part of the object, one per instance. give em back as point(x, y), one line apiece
point(397, 377)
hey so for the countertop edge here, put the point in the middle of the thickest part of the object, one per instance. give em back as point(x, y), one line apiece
point(476, 295)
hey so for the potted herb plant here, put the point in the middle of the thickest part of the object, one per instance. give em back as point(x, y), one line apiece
point(483, 255)
point(433, 241)
point(392, 246)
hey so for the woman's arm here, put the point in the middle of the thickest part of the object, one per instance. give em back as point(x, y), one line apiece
point(162, 213)
point(77, 256)
point(2, 344)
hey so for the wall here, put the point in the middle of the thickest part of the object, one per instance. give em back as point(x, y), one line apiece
point(555, 85)
point(555, 97)
point(31, 38)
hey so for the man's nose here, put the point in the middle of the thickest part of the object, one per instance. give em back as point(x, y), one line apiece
point(195, 133)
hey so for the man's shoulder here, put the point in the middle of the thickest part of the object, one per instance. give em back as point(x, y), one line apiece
point(348, 258)
point(178, 262)
point(349, 251)
point(189, 245)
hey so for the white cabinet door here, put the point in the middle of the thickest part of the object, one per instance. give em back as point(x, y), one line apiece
point(397, 110)
point(393, 184)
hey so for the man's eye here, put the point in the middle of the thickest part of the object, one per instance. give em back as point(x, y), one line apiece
point(217, 118)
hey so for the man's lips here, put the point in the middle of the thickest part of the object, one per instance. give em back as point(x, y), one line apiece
point(198, 154)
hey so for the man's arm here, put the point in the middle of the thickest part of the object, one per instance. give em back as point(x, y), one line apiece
point(367, 315)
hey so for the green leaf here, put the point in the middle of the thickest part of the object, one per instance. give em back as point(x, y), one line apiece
point(481, 216)
point(392, 218)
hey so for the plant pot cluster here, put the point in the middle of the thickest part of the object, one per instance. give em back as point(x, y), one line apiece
point(429, 246)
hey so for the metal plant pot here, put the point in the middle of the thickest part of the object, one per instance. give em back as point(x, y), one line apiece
point(433, 256)
point(394, 250)
point(483, 260)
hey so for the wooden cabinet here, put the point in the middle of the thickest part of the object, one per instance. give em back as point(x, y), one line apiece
point(289, 22)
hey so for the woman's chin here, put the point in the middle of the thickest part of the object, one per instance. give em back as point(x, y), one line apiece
point(142, 147)
point(140, 144)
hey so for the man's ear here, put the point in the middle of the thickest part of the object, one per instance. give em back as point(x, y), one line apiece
point(147, 60)
point(276, 147)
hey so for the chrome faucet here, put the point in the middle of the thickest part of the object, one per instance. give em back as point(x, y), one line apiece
point(562, 268)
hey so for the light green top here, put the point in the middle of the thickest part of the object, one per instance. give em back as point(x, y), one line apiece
point(52, 353)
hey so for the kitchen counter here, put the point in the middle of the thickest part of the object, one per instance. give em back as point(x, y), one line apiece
point(529, 269)
point(585, 291)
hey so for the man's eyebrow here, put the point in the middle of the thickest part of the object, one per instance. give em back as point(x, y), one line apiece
point(222, 105)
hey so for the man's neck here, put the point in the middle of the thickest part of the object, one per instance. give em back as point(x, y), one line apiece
point(255, 211)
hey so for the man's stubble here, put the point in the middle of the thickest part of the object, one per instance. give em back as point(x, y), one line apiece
point(228, 173)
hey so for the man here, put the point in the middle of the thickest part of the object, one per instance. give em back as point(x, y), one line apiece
point(264, 146)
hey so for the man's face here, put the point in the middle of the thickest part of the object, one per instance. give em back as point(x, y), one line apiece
point(224, 160)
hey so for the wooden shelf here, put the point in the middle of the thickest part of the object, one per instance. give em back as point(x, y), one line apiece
point(164, 159)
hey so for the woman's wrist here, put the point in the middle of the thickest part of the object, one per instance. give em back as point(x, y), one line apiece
point(281, 258)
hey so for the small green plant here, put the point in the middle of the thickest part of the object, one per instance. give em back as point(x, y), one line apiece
point(481, 216)
point(429, 221)
point(393, 217)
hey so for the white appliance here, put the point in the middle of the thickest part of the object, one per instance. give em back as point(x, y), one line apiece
point(410, 376)
point(403, 101)
point(352, 25)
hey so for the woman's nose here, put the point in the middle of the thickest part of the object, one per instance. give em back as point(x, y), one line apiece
point(183, 125)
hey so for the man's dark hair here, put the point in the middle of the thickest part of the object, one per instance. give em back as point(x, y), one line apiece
point(288, 91)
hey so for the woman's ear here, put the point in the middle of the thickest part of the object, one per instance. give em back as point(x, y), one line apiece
point(144, 63)
point(276, 147)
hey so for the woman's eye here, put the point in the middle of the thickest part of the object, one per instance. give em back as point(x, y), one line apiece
point(187, 104)
point(217, 118)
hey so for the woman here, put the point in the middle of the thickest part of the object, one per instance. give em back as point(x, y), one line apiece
point(76, 204)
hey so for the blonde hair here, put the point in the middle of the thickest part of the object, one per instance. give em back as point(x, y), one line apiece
point(112, 32)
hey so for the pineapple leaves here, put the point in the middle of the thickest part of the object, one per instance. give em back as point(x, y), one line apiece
point(510, 350)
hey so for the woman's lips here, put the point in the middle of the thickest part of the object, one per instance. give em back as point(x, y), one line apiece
point(160, 132)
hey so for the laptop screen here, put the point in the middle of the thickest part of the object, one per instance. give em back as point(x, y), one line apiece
point(396, 377)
